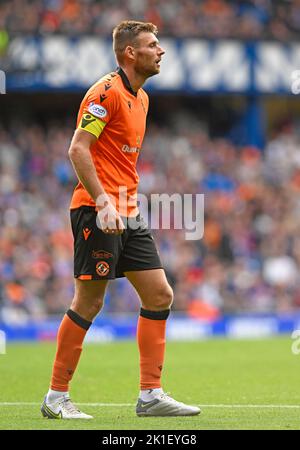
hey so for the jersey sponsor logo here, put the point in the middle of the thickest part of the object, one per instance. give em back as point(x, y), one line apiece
point(102, 268)
point(97, 110)
point(127, 149)
point(86, 233)
point(86, 120)
point(101, 254)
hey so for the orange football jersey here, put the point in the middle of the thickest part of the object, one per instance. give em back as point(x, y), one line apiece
point(120, 115)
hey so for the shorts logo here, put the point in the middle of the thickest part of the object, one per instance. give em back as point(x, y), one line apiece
point(101, 254)
point(86, 233)
point(97, 110)
point(102, 268)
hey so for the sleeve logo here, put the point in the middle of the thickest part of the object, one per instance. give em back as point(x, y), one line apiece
point(86, 120)
point(97, 110)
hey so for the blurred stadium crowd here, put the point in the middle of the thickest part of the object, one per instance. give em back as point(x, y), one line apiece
point(278, 19)
point(248, 260)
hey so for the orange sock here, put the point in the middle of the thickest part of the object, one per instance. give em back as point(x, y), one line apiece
point(151, 337)
point(71, 333)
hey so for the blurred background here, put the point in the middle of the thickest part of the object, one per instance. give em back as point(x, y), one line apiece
point(223, 121)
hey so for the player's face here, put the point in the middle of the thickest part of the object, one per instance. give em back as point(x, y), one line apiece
point(148, 54)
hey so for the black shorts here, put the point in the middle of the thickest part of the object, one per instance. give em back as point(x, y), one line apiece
point(100, 256)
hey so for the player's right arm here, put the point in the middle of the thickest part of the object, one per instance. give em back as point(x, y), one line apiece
point(92, 119)
point(80, 156)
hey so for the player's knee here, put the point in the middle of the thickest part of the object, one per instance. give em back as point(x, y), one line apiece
point(88, 308)
point(163, 299)
point(95, 307)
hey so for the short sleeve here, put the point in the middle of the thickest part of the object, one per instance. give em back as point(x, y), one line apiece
point(100, 102)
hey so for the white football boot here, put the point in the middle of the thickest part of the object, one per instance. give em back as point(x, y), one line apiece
point(163, 405)
point(62, 408)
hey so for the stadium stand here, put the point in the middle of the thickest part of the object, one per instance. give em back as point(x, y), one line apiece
point(249, 258)
point(256, 19)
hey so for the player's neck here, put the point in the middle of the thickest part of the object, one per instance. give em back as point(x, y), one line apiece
point(136, 80)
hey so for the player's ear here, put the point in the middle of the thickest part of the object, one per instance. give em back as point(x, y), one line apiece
point(130, 52)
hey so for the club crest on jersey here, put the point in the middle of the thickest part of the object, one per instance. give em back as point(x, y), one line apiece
point(97, 110)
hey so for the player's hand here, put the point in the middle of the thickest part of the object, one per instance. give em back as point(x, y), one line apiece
point(109, 220)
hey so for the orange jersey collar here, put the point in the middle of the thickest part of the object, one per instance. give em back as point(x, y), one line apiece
point(125, 80)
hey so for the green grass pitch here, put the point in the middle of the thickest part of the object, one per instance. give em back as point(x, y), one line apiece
point(239, 384)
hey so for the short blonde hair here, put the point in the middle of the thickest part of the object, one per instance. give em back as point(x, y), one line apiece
point(126, 33)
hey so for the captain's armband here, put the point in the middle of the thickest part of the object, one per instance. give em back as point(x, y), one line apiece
point(91, 124)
